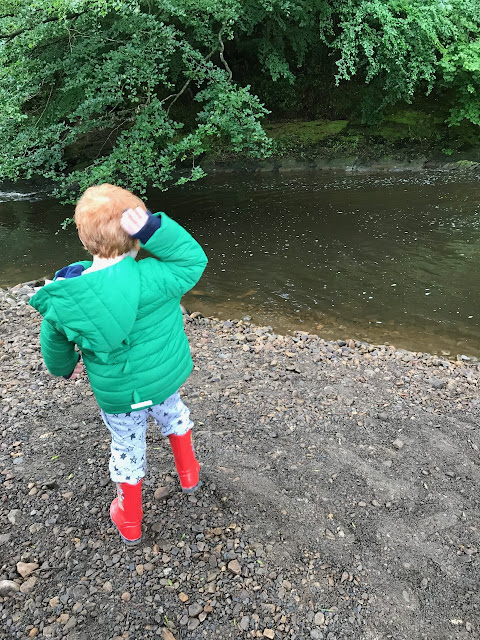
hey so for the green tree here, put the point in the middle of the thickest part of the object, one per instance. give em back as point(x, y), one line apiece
point(155, 83)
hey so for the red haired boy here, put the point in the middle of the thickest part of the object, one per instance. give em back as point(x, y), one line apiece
point(125, 318)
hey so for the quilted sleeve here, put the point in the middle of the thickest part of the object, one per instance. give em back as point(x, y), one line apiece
point(181, 260)
point(58, 353)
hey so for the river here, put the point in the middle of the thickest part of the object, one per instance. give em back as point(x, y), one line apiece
point(386, 258)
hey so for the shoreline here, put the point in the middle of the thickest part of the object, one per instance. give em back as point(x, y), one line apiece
point(24, 291)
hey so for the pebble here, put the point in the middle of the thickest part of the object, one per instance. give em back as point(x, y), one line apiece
point(28, 585)
point(234, 567)
point(269, 633)
point(7, 587)
point(398, 444)
point(161, 493)
point(26, 568)
point(193, 623)
point(319, 619)
point(195, 609)
point(244, 623)
point(126, 596)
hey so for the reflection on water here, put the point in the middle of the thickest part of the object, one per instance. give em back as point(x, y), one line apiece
point(385, 258)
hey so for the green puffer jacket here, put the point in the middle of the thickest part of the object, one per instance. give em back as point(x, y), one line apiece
point(127, 322)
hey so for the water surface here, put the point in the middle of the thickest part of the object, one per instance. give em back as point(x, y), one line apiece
point(384, 258)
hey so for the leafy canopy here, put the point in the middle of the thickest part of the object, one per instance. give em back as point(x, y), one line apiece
point(153, 85)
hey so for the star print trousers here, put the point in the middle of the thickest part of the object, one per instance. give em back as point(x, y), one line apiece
point(128, 460)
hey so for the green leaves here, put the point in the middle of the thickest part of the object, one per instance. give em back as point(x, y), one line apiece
point(118, 79)
point(136, 92)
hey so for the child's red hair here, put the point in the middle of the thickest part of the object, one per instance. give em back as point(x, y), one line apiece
point(97, 216)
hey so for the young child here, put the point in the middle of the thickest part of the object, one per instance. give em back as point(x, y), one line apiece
point(125, 318)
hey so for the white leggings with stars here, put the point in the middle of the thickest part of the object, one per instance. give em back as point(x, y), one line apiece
point(128, 460)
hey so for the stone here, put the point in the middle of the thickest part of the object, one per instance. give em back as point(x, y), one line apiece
point(14, 516)
point(167, 634)
point(244, 623)
point(26, 568)
point(269, 633)
point(319, 619)
point(70, 624)
point(33, 632)
point(80, 591)
point(161, 493)
point(7, 587)
point(234, 567)
point(398, 444)
point(183, 597)
point(193, 623)
point(54, 602)
point(126, 596)
point(195, 609)
point(28, 585)
point(107, 586)
point(63, 618)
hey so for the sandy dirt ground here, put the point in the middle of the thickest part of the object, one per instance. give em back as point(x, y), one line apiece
point(339, 496)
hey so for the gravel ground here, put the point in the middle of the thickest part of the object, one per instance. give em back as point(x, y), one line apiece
point(339, 496)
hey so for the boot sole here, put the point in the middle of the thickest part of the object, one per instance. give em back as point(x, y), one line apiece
point(129, 543)
point(192, 489)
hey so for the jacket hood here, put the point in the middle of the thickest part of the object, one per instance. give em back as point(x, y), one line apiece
point(97, 310)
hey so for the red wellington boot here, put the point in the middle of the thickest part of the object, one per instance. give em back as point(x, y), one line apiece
point(126, 511)
point(185, 461)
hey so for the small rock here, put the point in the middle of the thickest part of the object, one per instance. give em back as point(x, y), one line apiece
point(269, 633)
point(70, 624)
point(195, 609)
point(54, 602)
point(319, 619)
point(14, 516)
point(383, 416)
point(7, 587)
point(107, 586)
point(183, 597)
point(234, 567)
point(139, 569)
point(167, 635)
point(28, 585)
point(161, 493)
point(244, 623)
point(63, 618)
point(398, 444)
point(33, 632)
point(26, 568)
point(126, 596)
point(193, 623)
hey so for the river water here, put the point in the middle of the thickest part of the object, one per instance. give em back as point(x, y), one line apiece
point(390, 258)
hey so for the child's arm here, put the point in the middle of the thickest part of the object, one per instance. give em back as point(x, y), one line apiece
point(58, 352)
point(182, 259)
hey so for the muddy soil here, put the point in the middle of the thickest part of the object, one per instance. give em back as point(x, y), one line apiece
point(339, 496)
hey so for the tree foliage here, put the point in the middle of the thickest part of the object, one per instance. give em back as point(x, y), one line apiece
point(155, 83)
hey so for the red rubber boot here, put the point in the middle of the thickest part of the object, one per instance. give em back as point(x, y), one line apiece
point(126, 512)
point(185, 461)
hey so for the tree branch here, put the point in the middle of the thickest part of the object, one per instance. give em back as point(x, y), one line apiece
point(18, 32)
point(222, 49)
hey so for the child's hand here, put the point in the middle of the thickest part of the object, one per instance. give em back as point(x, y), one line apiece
point(77, 371)
point(133, 220)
